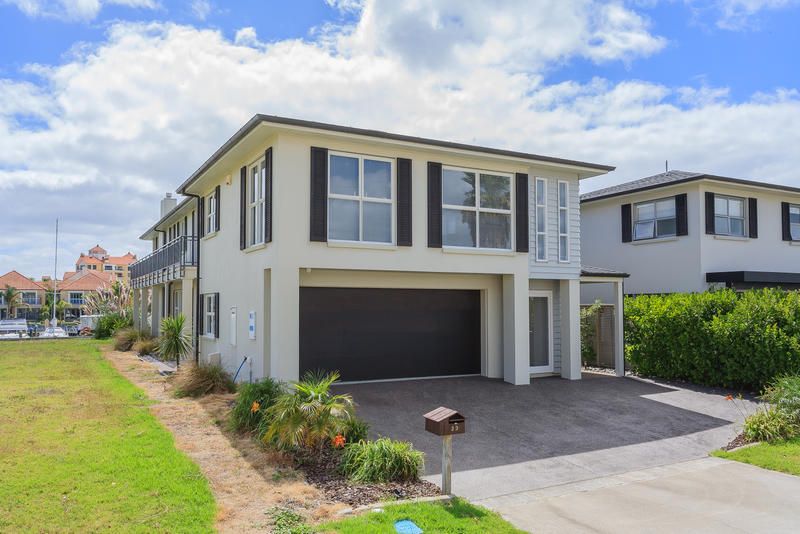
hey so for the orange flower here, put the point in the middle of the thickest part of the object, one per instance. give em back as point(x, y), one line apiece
point(729, 397)
point(255, 407)
point(338, 441)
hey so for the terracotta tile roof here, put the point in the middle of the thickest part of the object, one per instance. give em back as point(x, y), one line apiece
point(97, 249)
point(87, 281)
point(19, 282)
point(121, 260)
point(68, 275)
point(85, 260)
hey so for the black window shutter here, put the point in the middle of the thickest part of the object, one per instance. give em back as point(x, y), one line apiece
point(403, 202)
point(710, 213)
point(243, 208)
point(681, 215)
point(627, 221)
point(521, 215)
point(319, 194)
point(434, 205)
point(268, 197)
point(202, 321)
point(201, 216)
point(785, 226)
point(218, 204)
point(752, 216)
point(216, 315)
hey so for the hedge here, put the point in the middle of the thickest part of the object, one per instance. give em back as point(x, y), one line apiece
point(717, 338)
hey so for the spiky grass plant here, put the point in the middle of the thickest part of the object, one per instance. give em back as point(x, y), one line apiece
point(175, 341)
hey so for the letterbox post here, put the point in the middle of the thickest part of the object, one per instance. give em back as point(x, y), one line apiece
point(447, 464)
point(445, 422)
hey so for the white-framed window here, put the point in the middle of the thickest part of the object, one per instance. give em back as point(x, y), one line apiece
point(794, 221)
point(476, 209)
point(76, 298)
point(654, 218)
point(360, 198)
point(540, 194)
point(30, 297)
point(729, 215)
point(210, 315)
point(108, 267)
point(211, 213)
point(256, 193)
point(563, 221)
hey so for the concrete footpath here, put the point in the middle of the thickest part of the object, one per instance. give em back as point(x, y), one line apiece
point(710, 495)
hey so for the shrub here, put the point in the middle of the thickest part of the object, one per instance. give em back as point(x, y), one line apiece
point(126, 337)
point(107, 325)
point(716, 338)
point(589, 332)
point(784, 394)
point(196, 381)
point(309, 416)
point(176, 340)
point(383, 460)
point(146, 347)
point(252, 403)
point(769, 424)
point(355, 430)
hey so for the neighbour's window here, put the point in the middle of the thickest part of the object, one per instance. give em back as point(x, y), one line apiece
point(257, 187)
point(30, 297)
point(211, 216)
point(654, 218)
point(729, 215)
point(210, 311)
point(360, 198)
point(794, 221)
point(563, 221)
point(108, 267)
point(76, 298)
point(476, 209)
point(541, 219)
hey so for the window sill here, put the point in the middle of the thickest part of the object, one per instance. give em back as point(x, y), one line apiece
point(731, 238)
point(254, 248)
point(361, 244)
point(795, 243)
point(655, 240)
point(209, 235)
point(479, 251)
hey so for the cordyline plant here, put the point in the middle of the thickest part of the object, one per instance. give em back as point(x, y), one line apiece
point(175, 342)
point(310, 416)
point(107, 300)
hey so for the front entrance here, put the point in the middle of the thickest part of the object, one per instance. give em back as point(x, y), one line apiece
point(540, 321)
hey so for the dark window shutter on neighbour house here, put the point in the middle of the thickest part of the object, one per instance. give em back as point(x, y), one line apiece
point(319, 194)
point(243, 208)
point(403, 202)
point(627, 221)
point(681, 215)
point(202, 316)
point(201, 216)
point(752, 217)
point(785, 224)
point(521, 215)
point(216, 315)
point(268, 196)
point(218, 215)
point(434, 205)
point(710, 213)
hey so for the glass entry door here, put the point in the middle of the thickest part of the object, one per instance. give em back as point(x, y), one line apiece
point(540, 321)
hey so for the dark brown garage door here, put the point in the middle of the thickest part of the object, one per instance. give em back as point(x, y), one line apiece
point(371, 334)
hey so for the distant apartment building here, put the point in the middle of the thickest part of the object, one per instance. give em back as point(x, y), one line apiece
point(32, 297)
point(98, 259)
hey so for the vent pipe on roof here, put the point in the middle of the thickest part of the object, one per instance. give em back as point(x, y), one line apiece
point(167, 204)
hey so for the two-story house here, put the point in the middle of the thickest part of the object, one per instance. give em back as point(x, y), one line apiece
point(30, 300)
point(382, 256)
point(687, 232)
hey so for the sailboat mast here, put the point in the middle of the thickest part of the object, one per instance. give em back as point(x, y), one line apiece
point(55, 277)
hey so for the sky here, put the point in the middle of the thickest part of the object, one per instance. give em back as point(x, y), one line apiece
point(105, 105)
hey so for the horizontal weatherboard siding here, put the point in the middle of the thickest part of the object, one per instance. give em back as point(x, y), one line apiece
point(552, 268)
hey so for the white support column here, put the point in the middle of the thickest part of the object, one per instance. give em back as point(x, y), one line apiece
point(136, 310)
point(569, 291)
point(156, 309)
point(187, 297)
point(285, 318)
point(516, 358)
point(619, 329)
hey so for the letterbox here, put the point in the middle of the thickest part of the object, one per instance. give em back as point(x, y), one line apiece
point(444, 422)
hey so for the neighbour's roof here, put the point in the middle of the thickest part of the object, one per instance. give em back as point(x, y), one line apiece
point(87, 281)
point(589, 270)
point(19, 282)
point(97, 249)
point(127, 259)
point(313, 125)
point(83, 259)
point(668, 178)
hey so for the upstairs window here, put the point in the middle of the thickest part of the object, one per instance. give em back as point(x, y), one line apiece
point(655, 218)
point(476, 209)
point(729, 216)
point(211, 213)
point(257, 189)
point(541, 219)
point(563, 221)
point(360, 199)
point(76, 298)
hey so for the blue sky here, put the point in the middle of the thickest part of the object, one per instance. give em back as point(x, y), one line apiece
point(107, 104)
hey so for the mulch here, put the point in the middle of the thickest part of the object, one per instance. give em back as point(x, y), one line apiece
point(738, 441)
point(321, 471)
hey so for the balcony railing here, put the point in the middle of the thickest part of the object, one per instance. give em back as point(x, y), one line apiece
point(32, 301)
point(165, 264)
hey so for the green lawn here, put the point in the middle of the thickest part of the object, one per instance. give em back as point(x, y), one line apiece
point(779, 456)
point(80, 451)
point(457, 516)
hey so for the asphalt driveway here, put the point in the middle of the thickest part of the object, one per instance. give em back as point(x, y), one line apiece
point(553, 432)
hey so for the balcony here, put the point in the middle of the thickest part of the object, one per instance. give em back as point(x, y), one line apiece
point(165, 264)
point(32, 300)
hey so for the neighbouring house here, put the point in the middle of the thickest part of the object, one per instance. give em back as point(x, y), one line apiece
point(686, 232)
point(382, 256)
point(98, 259)
point(76, 287)
point(33, 296)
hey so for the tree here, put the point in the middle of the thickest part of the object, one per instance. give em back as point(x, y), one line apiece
point(175, 342)
point(13, 300)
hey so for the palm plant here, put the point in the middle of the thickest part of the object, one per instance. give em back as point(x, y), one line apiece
point(13, 300)
point(175, 342)
point(309, 416)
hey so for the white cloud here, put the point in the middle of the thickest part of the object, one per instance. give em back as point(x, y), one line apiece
point(201, 9)
point(246, 37)
point(738, 14)
point(74, 10)
point(124, 121)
